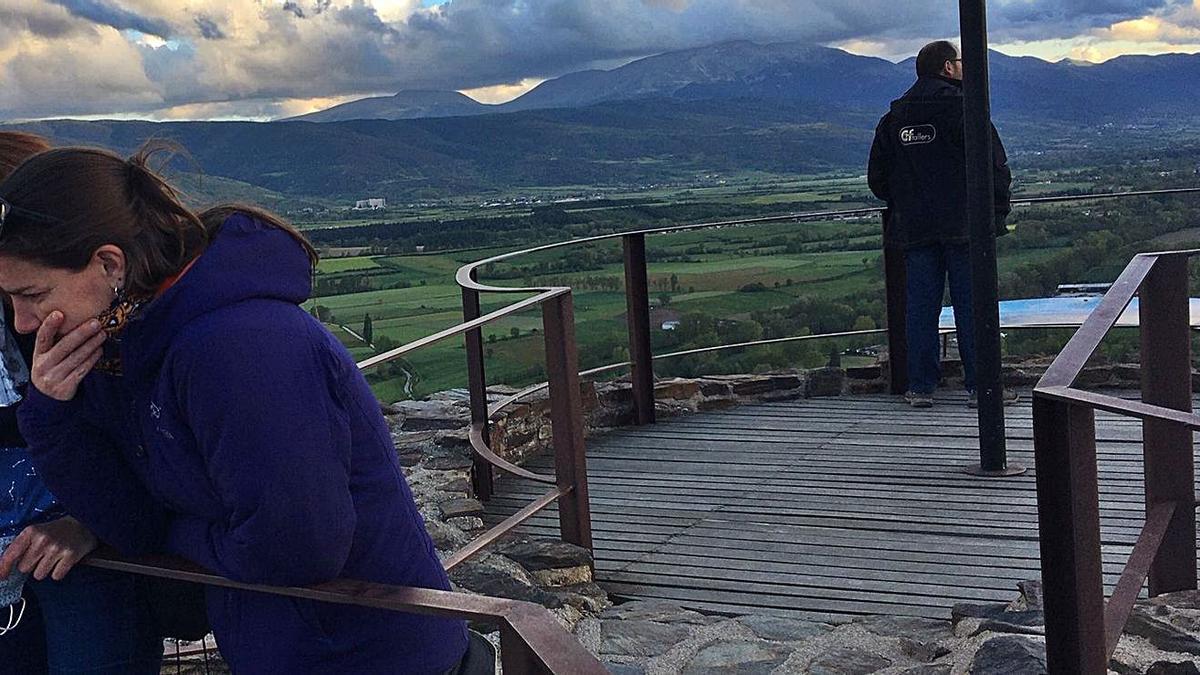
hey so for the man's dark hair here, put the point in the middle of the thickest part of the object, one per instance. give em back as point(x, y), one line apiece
point(933, 56)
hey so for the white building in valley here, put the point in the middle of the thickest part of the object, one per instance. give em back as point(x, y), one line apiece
point(370, 204)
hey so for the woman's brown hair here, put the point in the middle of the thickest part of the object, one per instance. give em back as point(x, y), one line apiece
point(16, 147)
point(85, 198)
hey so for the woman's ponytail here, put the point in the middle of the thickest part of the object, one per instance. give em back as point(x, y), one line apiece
point(170, 229)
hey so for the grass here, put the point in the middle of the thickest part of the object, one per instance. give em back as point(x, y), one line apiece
point(335, 265)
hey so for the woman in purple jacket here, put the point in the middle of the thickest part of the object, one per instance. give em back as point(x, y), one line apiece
point(183, 402)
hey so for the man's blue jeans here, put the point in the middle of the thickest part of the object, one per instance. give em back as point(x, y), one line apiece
point(95, 621)
point(928, 268)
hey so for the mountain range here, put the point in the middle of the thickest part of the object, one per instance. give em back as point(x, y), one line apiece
point(730, 109)
point(1065, 90)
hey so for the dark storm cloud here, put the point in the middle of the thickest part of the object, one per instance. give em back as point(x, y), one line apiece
point(41, 21)
point(208, 28)
point(294, 8)
point(107, 14)
point(1067, 18)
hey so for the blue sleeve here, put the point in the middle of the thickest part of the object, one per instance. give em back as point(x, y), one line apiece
point(263, 404)
point(87, 474)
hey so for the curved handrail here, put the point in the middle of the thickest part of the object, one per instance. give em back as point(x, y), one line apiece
point(482, 449)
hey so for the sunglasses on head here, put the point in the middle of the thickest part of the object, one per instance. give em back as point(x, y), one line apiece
point(7, 211)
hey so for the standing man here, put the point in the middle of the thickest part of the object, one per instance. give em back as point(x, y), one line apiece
point(918, 166)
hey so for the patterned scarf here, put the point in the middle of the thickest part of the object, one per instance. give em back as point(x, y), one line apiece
point(118, 315)
point(113, 321)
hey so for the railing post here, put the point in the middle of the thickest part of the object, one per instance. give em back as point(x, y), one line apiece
point(895, 280)
point(566, 419)
point(481, 470)
point(1166, 367)
point(1064, 438)
point(515, 655)
point(637, 312)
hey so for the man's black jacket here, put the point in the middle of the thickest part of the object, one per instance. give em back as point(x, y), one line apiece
point(918, 166)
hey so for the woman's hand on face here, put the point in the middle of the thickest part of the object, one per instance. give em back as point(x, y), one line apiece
point(49, 549)
point(59, 366)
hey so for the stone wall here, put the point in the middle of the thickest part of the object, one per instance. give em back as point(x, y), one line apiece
point(523, 429)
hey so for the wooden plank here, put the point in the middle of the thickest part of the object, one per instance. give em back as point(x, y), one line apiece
point(690, 498)
point(625, 551)
point(991, 492)
point(916, 511)
point(635, 487)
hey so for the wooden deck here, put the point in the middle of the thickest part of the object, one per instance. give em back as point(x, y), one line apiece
point(827, 508)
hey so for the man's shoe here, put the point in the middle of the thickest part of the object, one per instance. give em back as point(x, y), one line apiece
point(1008, 396)
point(918, 400)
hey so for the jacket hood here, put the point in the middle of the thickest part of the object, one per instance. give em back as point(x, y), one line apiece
point(247, 260)
point(928, 98)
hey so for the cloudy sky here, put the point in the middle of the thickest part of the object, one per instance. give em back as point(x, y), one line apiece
point(213, 59)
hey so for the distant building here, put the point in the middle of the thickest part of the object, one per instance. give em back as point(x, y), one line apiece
point(370, 204)
point(664, 317)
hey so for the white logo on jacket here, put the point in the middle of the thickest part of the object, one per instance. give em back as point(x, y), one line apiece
point(918, 135)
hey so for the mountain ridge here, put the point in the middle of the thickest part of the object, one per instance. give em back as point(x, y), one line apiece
point(407, 104)
point(805, 72)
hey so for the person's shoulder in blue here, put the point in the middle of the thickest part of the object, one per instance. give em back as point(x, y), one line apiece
point(228, 426)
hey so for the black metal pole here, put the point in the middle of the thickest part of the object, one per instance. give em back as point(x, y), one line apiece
point(977, 120)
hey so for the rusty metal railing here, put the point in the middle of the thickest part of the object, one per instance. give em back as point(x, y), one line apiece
point(531, 639)
point(1082, 630)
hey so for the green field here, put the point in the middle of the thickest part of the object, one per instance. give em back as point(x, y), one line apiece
point(334, 265)
point(712, 282)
